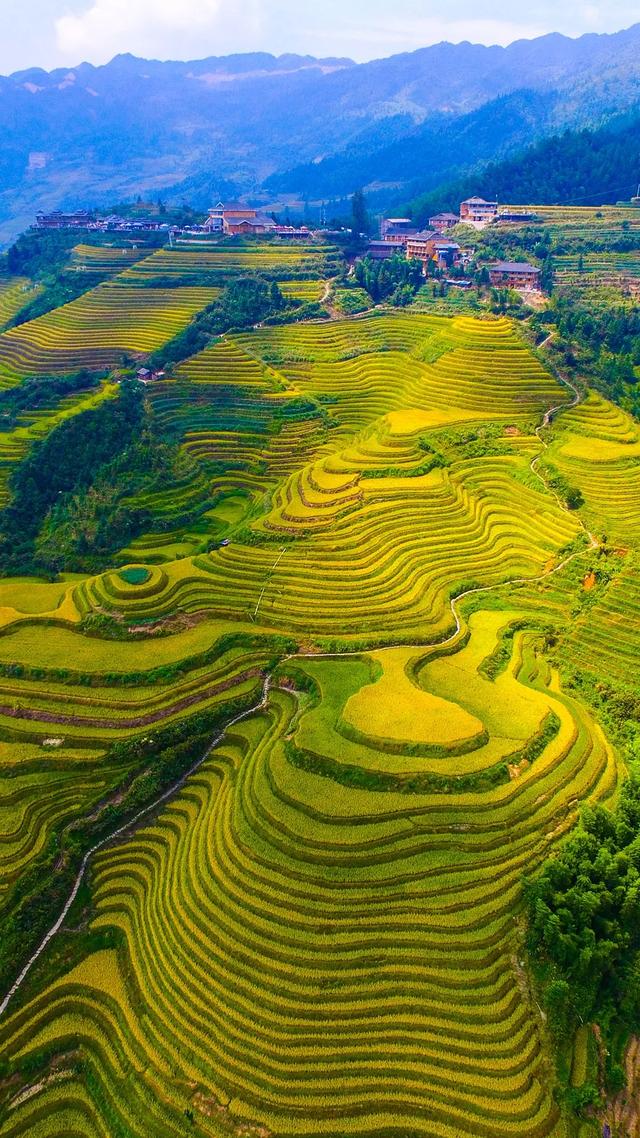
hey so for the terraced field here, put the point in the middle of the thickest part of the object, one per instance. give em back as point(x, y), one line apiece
point(607, 635)
point(225, 260)
point(320, 933)
point(97, 330)
point(583, 221)
point(108, 260)
point(597, 450)
point(15, 292)
point(599, 269)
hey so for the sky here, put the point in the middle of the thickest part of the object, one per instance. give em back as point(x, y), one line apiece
point(61, 33)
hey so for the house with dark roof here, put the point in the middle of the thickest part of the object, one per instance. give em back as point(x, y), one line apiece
point(443, 221)
point(397, 230)
point(515, 274)
point(381, 250)
point(420, 246)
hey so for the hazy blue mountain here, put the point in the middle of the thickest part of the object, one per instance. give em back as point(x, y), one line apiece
point(426, 155)
point(294, 124)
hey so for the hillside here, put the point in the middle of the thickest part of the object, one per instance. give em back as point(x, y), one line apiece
point(92, 135)
point(587, 167)
point(327, 652)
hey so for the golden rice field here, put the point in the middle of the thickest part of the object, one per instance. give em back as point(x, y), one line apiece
point(97, 330)
point(225, 260)
point(598, 450)
point(15, 292)
point(321, 933)
point(108, 260)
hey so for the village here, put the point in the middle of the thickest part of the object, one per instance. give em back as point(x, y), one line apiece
point(434, 246)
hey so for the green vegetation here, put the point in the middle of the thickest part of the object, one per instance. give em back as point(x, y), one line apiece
point(597, 332)
point(584, 918)
point(67, 460)
point(41, 391)
point(396, 280)
point(588, 166)
point(135, 575)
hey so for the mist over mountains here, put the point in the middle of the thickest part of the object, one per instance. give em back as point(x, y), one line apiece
point(295, 126)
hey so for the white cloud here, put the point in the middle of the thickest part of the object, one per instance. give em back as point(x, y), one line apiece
point(143, 26)
point(593, 17)
point(189, 29)
point(406, 35)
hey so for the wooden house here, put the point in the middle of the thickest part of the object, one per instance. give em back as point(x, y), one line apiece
point(515, 274)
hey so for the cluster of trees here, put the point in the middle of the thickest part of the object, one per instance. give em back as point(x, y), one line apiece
point(396, 280)
point(41, 252)
point(571, 495)
point(584, 925)
point(41, 391)
point(63, 463)
point(72, 496)
point(600, 338)
point(360, 219)
point(612, 330)
point(248, 301)
point(84, 527)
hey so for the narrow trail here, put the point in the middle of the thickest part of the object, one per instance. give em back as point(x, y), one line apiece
point(268, 581)
point(129, 827)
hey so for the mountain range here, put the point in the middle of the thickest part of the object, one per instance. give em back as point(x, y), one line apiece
point(296, 127)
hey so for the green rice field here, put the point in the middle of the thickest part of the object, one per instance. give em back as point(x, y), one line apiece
point(320, 933)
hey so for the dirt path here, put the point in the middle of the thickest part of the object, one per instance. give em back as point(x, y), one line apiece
point(623, 1113)
point(333, 312)
point(127, 829)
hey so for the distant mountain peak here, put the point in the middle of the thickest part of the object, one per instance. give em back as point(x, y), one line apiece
point(295, 124)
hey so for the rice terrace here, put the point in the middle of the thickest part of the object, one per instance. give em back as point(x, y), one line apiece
point(285, 743)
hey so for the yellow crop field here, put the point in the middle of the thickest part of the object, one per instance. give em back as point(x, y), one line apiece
point(597, 450)
point(108, 260)
point(15, 292)
point(96, 330)
point(396, 709)
point(224, 260)
point(349, 663)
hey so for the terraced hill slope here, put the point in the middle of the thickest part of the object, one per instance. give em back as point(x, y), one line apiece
point(97, 330)
point(320, 932)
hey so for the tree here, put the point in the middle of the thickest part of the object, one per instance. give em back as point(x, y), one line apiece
point(584, 920)
point(360, 218)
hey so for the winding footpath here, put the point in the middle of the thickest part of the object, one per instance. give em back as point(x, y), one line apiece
point(129, 827)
